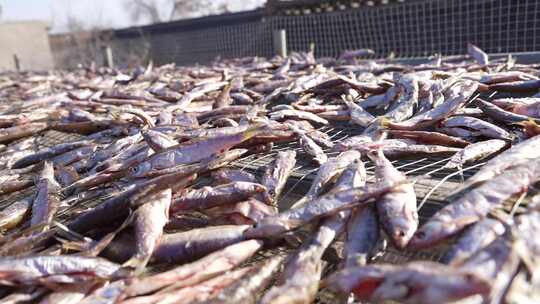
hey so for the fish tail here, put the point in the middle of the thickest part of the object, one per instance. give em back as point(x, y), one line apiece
point(136, 262)
point(253, 130)
point(385, 123)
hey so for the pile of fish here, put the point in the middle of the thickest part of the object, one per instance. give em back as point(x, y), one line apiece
point(144, 203)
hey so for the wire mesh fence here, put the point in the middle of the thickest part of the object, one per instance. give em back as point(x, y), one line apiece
point(401, 30)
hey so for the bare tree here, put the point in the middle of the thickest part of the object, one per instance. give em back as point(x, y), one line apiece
point(143, 9)
point(192, 8)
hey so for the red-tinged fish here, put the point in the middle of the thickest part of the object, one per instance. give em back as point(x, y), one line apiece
point(496, 263)
point(325, 205)
point(473, 240)
point(17, 132)
point(476, 204)
point(493, 111)
point(208, 197)
point(47, 198)
point(192, 152)
point(529, 110)
point(397, 209)
point(67, 269)
point(298, 115)
point(158, 141)
point(247, 288)
point(415, 283)
point(440, 112)
point(430, 138)
point(527, 86)
point(181, 247)
point(276, 174)
point(247, 212)
point(476, 151)
point(202, 291)
point(47, 153)
point(150, 219)
point(118, 207)
point(302, 273)
point(191, 274)
point(227, 175)
point(519, 153)
point(14, 214)
point(477, 54)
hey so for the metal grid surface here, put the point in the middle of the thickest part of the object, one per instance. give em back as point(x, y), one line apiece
point(432, 185)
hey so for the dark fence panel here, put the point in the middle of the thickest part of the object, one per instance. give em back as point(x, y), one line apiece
point(404, 30)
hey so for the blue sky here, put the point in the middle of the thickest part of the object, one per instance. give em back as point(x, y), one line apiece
point(103, 13)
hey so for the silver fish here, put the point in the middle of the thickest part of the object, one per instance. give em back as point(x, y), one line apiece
point(476, 151)
point(397, 208)
point(47, 200)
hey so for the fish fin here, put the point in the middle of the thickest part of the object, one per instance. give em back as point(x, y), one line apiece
point(136, 262)
point(254, 130)
point(385, 123)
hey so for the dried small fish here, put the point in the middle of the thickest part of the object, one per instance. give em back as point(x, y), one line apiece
point(48, 153)
point(476, 204)
point(150, 219)
point(482, 127)
point(397, 208)
point(478, 55)
point(206, 268)
point(474, 239)
point(12, 215)
point(208, 197)
point(415, 282)
point(476, 151)
point(278, 172)
point(47, 200)
point(56, 269)
point(192, 152)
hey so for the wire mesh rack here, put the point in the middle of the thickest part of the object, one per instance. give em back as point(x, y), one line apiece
point(432, 185)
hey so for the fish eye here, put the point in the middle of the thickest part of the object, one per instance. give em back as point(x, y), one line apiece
point(134, 169)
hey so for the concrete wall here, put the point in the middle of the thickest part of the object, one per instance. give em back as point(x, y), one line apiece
point(29, 40)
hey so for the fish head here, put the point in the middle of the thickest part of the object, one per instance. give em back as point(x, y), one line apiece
point(402, 231)
point(429, 234)
point(139, 170)
point(391, 290)
point(471, 284)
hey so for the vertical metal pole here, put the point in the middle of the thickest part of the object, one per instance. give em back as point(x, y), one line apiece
point(108, 56)
point(280, 42)
point(16, 62)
